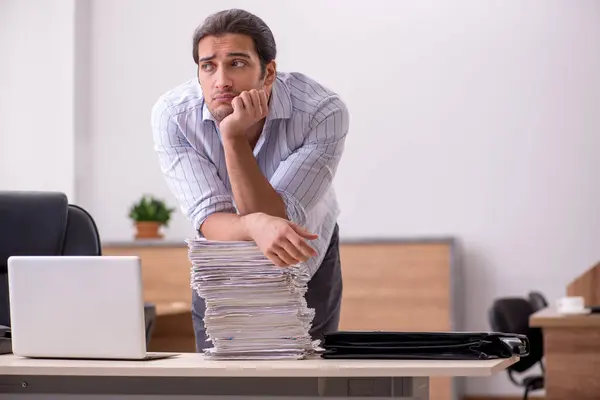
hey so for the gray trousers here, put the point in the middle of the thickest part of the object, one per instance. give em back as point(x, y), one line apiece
point(324, 294)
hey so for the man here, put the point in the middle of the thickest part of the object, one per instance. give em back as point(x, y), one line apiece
point(250, 154)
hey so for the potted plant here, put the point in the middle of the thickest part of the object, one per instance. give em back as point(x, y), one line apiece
point(149, 214)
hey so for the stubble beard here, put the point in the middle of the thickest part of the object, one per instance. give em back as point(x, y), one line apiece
point(222, 112)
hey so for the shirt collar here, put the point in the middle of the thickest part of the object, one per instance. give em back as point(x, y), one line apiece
point(280, 104)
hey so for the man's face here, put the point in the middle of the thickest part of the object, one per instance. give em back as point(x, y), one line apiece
point(228, 65)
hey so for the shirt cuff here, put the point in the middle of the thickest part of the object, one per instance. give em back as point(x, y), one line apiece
point(221, 203)
point(294, 210)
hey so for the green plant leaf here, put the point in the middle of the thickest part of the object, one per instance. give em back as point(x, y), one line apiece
point(149, 208)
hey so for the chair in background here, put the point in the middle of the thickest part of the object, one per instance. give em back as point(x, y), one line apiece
point(511, 315)
point(44, 223)
point(150, 318)
point(537, 300)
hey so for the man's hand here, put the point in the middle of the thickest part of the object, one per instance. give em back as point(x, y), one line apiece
point(282, 241)
point(248, 108)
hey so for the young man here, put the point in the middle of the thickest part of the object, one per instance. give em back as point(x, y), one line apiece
point(250, 154)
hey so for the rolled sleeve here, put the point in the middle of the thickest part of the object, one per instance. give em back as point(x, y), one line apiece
point(189, 175)
point(307, 174)
point(210, 206)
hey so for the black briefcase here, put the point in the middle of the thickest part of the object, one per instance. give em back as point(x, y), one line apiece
point(423, 345)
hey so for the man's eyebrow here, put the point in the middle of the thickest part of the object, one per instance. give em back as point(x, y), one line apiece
point(234, 54)
point(245, 55)
point(207, 58)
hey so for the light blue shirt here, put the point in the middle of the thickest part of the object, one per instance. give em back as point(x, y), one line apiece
point(298, 151)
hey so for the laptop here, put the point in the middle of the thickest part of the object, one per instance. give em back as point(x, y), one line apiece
point(83, 307)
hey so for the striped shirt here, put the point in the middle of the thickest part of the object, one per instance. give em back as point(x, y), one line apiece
point(298, 151)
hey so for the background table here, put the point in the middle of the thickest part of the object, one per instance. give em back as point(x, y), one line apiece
point(571, 354)
point(191, 375)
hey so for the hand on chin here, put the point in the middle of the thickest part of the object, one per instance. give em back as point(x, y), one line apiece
point(248, 108)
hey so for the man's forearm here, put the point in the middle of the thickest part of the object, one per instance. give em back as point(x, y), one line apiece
point(225, 227)
point(251, 189)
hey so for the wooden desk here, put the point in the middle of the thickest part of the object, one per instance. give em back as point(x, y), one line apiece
point(191, 373)
point(572, 354)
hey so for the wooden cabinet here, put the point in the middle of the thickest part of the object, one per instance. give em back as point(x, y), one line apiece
point(401, 285)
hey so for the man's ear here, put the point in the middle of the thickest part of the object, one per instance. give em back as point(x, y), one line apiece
point(270, 73)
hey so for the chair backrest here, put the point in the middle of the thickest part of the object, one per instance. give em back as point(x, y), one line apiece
point(537, 300)
point(511, 315)
point(41, 223)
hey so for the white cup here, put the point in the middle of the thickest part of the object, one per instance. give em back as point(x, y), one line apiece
point(570, 305)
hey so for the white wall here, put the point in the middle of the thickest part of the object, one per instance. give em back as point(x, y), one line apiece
point(468, 118)
point(132, 62)
point(81, 103)
point(36, 95)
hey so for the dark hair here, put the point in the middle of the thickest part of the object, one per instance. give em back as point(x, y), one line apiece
point(242, 22)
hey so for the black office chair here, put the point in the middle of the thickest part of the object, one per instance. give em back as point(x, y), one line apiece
point(537, 300)
point(44, 223)
point(511, 315)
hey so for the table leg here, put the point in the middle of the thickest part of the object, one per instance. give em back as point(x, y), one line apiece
point(411, 388)
point(405, 388)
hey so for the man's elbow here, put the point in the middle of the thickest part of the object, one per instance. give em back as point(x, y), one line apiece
point(206, 210)
point(212, 227)
point(205, 230)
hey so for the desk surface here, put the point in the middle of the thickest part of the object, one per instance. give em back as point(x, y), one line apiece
point(195, 365)
point(548, 317)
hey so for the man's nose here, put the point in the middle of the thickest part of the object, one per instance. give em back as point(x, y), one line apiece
point(223, 81)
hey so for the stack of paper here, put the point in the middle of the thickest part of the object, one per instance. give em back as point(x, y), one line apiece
point(254, 309)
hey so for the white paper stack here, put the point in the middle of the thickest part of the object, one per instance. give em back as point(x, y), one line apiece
point(254, 309)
